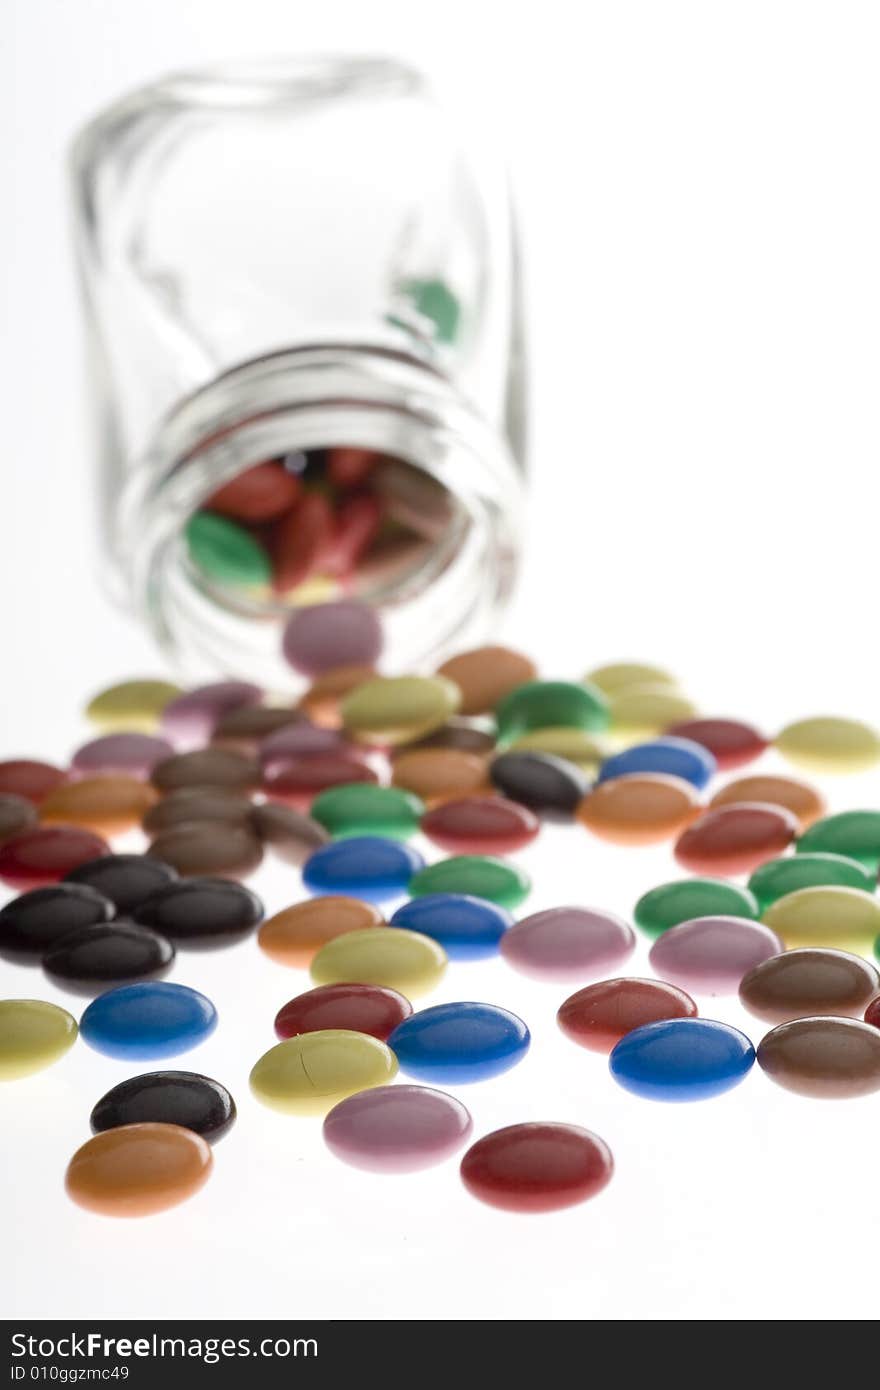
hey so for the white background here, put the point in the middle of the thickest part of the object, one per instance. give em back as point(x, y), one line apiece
point(699, 196)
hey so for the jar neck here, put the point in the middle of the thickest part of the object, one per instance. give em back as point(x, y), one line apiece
point(312, 398)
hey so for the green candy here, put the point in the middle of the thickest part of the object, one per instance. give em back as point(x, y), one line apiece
point(855, 834)
point(436, 302)
point(360, 809)
point(225, 552)
point(477, 875)
point(778, 877)
point(551, 704)
point(664, 907)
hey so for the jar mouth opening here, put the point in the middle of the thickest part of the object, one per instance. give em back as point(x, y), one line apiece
point(304, 408)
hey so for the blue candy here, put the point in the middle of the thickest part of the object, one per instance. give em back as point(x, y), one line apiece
point(459, 1042)
point(467, 928)
point(682, 1059)
point(676, 757)
point(143, 1021)
point(366, 866)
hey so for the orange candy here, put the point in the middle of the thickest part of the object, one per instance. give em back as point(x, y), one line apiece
point(296, 934)
point(639, 809)
point(440, 774)
point(798, 797)
point(107, 805)
point(136, 1170)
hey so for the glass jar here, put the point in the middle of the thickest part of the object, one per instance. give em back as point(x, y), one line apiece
point(301, 264)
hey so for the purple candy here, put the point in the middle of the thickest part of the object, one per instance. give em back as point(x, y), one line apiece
point(568, 943)
point(296, 739)
point(190, 720)
point(710, 955)
point(127, 755)
point(326, 635)
point(397, 1129)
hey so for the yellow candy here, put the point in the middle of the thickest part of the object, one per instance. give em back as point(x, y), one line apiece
point(132, 706)
point(845, 918)
point(575, 745)
point(643, 711)
point(830, 745)
point(397, 709)
point(311, 1073)
point(394, 957)
point(623, 675)
point(33, 1035)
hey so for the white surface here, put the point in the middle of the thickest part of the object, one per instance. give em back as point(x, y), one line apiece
point(701, 211)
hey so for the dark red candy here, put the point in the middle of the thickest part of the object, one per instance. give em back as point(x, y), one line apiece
point(371, 1009)
point(45, 853)
point(537, 1167)
point(348, 467)
point(735, 839)
point(730, 741)
point(598, 1016)
point(31, 779)
point(872, 1013)
point(299, 541)
point(261, 493)
point(480, 825)
point(297, 781)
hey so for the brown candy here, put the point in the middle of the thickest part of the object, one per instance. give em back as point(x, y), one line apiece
point(438, 774)
point(485, 675)
point(190, 804)
point(210, 849)
point(800, 798)
point(16, 813)
point(834, 1058)
point(290, 834)
point(107, 805)
point(809, 981)
point(243, 730)
point(460, 734)
point(207, 767)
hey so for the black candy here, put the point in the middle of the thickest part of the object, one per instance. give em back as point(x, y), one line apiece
point(202, 911)
point(126, 879)
point(546, 784)
point(167, 1097)
point(96, 958)
point(33, 922)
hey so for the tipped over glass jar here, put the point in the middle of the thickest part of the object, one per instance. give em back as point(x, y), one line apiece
point(303, 309)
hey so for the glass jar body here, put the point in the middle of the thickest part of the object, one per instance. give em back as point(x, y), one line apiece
point(280, 261)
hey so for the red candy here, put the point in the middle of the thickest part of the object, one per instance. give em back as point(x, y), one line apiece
point(480, 825)
point(299, 780)
point(872, 1013)
point(46, 853)
point(371, 1009)
point(261, 493)
point(350, 467)
point(735, 839)
point(600, 1015)
point(299, 541)
point(28, 778)
point(732, 743)
point(537, 1167)
point(358, 519)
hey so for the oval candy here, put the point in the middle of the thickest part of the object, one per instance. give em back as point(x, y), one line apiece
point(467, 928)
point(805, 981)
point(643, 711)
point(301, 780)
point(202, 911)
point(364, 866)
point(804, 802)
point(486, 675)
point(682, 1059)
point(476, 876)
point(541, 704)
point(121, 754)
point(131, 705)
point(779, 877)
point(183, 1098)
point(731, 742)
point(323, 636)
point(46, 853)
point(735, 839)
point(537, 1167)
point(827, 1058)
point(359, 1008)
point(439, 774)
point(290, 835)
point(402, 960)
point(396, 709)
point(294, 935)
point(138, 1169)
point(208, 849)
point(674, 757)
point(599, 1015)
point(855, 834)
point(480, 825)
point(143, 1021)
point(33, 1035)
point(547, 785)
point(567, 943)
point(459, 1043)
point(847, 918)
point(309, 1074)
point(830, 744)
point(16, 814)
point(33, 922)
point(30, 779)
point(640, 808)
point(670, 903)
point(577, 746)
point(397, 1129)
point(710, 955)
point(106, 805)
point(126, 879)
point(623, 675)
point(95, 958)
point(357, 809)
